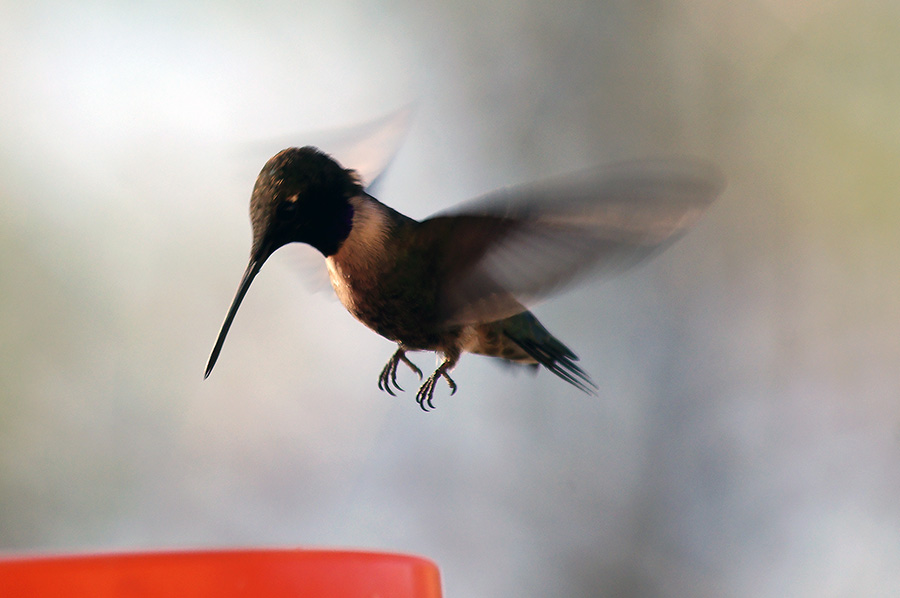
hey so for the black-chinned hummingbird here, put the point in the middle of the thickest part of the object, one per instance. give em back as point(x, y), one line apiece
point(460, 281)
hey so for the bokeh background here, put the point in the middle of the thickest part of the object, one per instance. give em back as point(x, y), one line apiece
point(746, 440)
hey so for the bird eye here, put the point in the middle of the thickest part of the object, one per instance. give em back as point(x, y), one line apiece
point(288, 208)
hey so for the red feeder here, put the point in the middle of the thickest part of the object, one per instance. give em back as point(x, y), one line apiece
point(223, 574)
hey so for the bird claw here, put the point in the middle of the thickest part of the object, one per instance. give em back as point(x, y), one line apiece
point(425, 396)
point(388, 375)
point(411, 365)
point(387, 380)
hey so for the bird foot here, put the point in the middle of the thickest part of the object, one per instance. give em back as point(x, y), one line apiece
point(425, 396)
point(388, 375)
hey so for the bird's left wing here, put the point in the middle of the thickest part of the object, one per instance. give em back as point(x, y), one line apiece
point(509, 249)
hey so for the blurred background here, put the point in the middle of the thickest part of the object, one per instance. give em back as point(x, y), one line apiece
point(746, 440)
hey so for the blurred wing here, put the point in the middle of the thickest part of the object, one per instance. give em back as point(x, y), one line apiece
point(308, 265)
point(367, 147)
point(512, 248)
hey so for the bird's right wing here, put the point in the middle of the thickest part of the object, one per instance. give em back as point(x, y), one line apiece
point(509, 249)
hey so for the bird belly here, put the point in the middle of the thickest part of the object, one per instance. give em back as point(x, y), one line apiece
point(396, 312)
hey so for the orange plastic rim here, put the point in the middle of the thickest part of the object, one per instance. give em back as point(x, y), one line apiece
point(223, 574)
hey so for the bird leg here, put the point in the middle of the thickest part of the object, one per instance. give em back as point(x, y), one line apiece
point(425, 396)
point(388, 375)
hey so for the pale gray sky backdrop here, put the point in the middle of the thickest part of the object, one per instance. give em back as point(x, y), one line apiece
point(746, 440)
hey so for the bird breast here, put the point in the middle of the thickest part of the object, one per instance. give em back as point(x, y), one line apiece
point(355, 268)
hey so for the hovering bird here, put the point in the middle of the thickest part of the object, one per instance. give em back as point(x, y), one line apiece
point(460, 281)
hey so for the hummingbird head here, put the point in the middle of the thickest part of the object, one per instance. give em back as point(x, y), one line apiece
point(301, 195)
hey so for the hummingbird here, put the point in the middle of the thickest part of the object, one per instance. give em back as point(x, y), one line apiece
point(461, 280)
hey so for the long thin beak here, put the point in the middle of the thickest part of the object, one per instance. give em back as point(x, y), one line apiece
point(249, 274)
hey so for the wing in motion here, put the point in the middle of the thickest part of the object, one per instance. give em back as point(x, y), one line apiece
point(514, 247)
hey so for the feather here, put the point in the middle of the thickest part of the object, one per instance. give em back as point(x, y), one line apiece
point(509, 249)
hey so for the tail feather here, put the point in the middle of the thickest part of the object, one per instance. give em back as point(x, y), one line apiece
point(528, 333)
